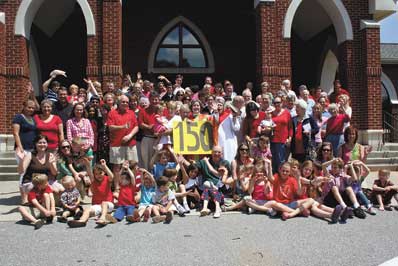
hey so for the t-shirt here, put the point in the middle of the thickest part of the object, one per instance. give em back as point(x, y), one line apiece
point(163, 198)
point(285, 191)
point(101, 190)
point(70, 197)
point(27, 131)
point(126, 195)
point(146, 195)
point(147, 116)
point(158, 168)
point(63, 111)
point(281, 130)
point(50, 130)
point(207, 175)
point(115, 118)
point(335, 124)
point(37, 194)
point(255, 123)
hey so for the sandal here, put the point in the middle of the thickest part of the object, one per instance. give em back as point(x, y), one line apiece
point(76, 223)
point(101, 222)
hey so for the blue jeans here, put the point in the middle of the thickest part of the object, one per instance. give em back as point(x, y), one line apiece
point(278, 155)
point(336, 140)
point(363, 199)
point(122, 211)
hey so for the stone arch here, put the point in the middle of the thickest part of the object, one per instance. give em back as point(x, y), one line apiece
point(337, 13)
point(27, 11)
point(392, 93)
point(201, 37)
point(329, 69)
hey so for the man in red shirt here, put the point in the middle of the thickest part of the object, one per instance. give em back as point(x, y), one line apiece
point(337, 91)
point(122, 127)
point(146, 119)
point(286, 191)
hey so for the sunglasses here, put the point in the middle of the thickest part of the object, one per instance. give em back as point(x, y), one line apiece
point(65, 147)
point(325, 149)
point(244, 149)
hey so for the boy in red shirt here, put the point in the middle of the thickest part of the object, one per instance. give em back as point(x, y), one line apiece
point(41, 202)
point(287, 189)
point(102, 201)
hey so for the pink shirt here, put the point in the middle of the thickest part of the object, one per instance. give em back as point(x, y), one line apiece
point(80, 129)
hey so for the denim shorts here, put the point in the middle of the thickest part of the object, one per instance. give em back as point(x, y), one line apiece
point(291, 205)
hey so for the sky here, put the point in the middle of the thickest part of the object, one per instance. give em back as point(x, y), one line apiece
point(389, 29)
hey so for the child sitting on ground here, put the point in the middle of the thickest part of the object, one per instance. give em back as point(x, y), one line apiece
point(163, 162)
point(126, 196)
point(179, 191)
point(190, 182)
point(70, 200)
point(41, 202)
point(384, 190)
point(162, 201)
point(102, 201)
point(148, 189)
point(358, 172)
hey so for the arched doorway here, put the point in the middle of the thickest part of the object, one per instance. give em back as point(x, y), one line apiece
point(316, 28)
point(57, 37)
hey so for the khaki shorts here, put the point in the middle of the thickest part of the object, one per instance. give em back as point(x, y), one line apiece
point(118, 155)
point(34, 212)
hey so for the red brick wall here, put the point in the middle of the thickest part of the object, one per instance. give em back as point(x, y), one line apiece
point(2, 77)
point(273, 51)
point(94, 44)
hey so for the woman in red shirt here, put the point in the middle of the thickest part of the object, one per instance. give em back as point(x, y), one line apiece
point(282, 134)
point(49, 125)
point(252, 120)
point(335, 126)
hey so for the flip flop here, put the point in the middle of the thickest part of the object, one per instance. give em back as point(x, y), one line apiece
point(101, 222)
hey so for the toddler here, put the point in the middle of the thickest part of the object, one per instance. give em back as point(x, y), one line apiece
point(70, 200)
point(267, 124)
point(262, 150)
point(162, 200)
point(148, 188)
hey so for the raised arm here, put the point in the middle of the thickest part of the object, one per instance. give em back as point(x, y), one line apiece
point(107, 170)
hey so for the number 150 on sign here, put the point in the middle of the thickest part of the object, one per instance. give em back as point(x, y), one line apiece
point(192, 137)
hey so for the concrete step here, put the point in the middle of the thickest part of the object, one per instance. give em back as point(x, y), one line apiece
point(377, 167)
point(7, 154)
point(8, 169)
point(382, 154)
point(9, 176)
point(390, 147)
point(390, 160)
point(8, 161)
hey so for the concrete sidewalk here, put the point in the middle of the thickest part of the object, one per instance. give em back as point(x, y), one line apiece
point(10, 199)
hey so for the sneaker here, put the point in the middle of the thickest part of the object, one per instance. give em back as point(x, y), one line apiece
point(217, 214)
point(133, 218)
point(186, 207)
point(158, 218)
point(271, 212)
point(169, 217)
point(388, 208)
point(38, 224)
point(76, 223)
point(336, 213)
point(358, 212)
point(250, 210)
point(62, 219)
point(109, 218)
point(344, 215)
point(180, 210)
point(371, 211)
point(204, 212)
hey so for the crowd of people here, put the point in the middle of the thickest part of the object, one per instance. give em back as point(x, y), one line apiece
point(280, 152)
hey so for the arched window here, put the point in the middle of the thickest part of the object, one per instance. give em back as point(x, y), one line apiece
point(180, 47)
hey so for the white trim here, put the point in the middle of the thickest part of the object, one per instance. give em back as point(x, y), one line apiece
point(392, 93)
point(27, 11)
point(368, 24)
point(2, 17)
point(337, 13)
point(256, 2)
point(202, 39)
point(329, 69)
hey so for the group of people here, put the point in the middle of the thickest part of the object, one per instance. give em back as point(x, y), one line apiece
point(281, 152)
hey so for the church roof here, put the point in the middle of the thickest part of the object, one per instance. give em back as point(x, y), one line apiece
point(389, 53)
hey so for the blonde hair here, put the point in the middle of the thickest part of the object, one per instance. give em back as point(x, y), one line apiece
point(385, 172)
point(40, 179)
point(67, 180)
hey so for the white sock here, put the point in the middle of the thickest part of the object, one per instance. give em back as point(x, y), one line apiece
point(356, 205)
point(343, 205)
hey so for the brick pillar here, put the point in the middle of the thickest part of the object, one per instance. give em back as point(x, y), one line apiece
point(94, 44)
point(112, 42)
point(3, 99)
point(17, 67)
point(273, 51)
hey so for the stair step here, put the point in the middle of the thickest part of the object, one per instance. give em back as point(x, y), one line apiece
point(8, 169)
point(383, 154)
point(376, 167)
point(385, 160)
point(8, 161)
point(9, 176)
point(7, 154)
point(390, 147)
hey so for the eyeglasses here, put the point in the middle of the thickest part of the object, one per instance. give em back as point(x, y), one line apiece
point(277, 102)
point(244, 150)
point(326, 150)
point(65, 147)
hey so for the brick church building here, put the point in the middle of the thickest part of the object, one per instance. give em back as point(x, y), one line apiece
point(311, 42)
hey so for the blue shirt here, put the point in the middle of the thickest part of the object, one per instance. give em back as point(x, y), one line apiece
point(27, 131)
point(158, 169)
point(146, 195)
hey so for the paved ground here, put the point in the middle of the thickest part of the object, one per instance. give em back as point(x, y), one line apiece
point(234, 239)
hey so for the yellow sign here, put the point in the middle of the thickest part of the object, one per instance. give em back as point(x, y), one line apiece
point(194, 137)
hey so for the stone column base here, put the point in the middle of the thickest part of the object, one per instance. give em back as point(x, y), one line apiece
point(6, 142)
point(372, 137)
